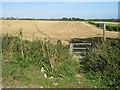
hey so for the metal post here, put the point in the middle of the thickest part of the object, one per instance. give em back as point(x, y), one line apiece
point(104, 32)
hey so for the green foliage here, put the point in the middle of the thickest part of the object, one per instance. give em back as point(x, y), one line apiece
point(54, 19)
point(112, 27)
point(105, 20)
point(103, 64)
point(23, 59)
point(69, 19)
point(19, 55)
point(109, 27)
point(96, 24)
point(65, 69)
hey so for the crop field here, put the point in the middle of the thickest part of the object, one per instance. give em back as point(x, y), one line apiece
point(106, 22)
point(53, 30)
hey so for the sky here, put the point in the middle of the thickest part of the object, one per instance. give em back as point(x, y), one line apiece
point(84, 10)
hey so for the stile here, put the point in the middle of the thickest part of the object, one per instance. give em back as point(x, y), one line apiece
point(78, 47)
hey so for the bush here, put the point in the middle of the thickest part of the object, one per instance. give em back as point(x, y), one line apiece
point(112, 28)
point(109, 28)
point(103, 64)
point(22, 54)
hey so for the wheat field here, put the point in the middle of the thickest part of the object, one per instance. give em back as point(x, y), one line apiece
point(53, 30)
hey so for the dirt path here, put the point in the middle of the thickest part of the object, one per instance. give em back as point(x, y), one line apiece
point(53, 30)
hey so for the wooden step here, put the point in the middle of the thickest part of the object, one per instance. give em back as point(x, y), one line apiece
point(78, 48)
point(82, 43)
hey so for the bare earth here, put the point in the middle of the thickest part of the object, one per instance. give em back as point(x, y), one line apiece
point(53, 30)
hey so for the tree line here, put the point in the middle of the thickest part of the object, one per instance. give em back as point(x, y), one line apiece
point(61, 19)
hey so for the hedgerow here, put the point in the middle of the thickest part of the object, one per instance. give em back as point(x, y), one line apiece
point(103, 63)
point(109, 27)
point(20, 55)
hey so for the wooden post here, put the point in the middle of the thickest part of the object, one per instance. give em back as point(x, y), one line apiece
point(71, 47)
point(104, 32)
point(33, 37)
point(21, 42)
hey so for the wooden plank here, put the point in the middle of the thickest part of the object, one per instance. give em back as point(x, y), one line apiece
point(82, 43)
point(104, 32)
point(71, 47)
point(78, 48)
point(83, 56)
point(80, 52)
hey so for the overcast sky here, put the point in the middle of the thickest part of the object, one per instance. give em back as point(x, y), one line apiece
point(86, 10)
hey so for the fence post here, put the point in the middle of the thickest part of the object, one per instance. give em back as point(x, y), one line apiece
point(21, 42)
point(71, 47)
point(104, 32)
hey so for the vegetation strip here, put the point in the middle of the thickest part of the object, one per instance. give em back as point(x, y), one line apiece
point(45, 65)
point(109, 27)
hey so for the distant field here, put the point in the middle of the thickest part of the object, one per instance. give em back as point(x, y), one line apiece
point(110, 26)
point(114, 25)
point(53, 30)
point(107, 22)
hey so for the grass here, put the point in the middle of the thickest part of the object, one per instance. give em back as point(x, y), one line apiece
point(112, 25)
point(32, 78)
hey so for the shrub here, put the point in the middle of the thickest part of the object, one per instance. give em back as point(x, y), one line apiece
point(109, 28)
point(103, 64)
point(21, 54)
